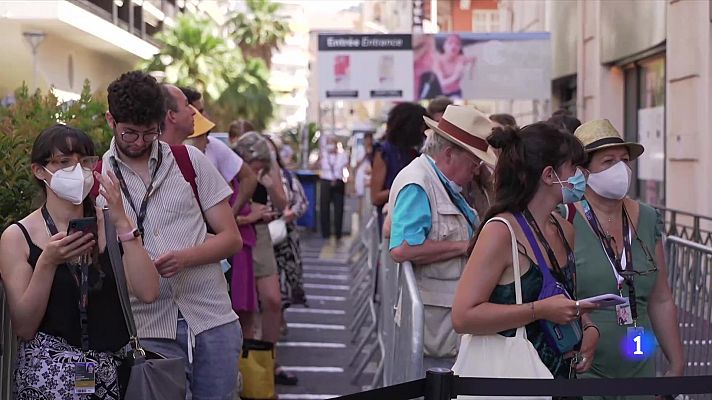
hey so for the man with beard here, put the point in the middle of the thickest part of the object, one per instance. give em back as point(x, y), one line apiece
point(192, 318)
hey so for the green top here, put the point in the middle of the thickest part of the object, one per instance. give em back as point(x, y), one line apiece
point(531, 286)
point(594, 276)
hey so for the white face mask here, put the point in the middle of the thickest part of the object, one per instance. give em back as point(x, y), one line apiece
point(612, 183)
point(73, 186)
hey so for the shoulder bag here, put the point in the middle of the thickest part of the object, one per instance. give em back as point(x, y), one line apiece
point(152, 376)
point(497, 356)
point(562, 338)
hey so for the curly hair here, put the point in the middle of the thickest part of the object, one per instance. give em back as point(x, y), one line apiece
point(136, 98)
point(405, 127)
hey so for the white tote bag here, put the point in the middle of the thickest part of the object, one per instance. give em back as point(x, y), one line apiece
point(277, 231)
point(497, 356)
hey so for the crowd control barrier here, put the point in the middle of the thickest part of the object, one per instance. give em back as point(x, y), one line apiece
point(8, 346)
point(443, 384)
point(364, 322)
point(690, 276)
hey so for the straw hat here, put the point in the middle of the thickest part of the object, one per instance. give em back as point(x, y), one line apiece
point(468, 128)
point(600, 134)
point(201, 125)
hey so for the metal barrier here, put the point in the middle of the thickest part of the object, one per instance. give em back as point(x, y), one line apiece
point(408, 333)
point(690, 276)
point(388, 296)
point(365, 320)
point(8, 345)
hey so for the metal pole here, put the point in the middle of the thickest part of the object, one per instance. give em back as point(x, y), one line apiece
point(333, 118)
point(439, 384)
point(305, 146)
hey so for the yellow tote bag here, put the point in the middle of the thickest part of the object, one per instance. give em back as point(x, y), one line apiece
point(257, 369)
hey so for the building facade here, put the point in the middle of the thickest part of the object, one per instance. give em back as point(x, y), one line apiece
point(59, 43)
point(645, 66)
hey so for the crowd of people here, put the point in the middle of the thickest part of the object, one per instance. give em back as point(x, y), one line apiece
point(559, 188)
point(207, 233)
point(192, 216)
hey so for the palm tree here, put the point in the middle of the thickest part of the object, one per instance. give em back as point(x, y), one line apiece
point(259, 31)
point(193, 54)
point(247, 95)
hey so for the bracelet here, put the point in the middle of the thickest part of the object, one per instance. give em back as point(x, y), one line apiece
point(594, 327)
point(532, 307)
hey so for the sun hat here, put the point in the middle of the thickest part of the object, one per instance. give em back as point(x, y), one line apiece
point(600, 134)
point(468, 128)
point(201, 125)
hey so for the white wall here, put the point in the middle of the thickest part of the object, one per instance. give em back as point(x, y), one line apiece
point(53, 63)
point(688, 117)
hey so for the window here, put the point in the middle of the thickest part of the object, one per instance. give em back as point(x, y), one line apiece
point(645, 124)
point(485, 21)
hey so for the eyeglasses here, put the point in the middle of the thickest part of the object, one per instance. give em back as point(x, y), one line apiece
point(630, 273)
point(130, 136)
point(69, 163)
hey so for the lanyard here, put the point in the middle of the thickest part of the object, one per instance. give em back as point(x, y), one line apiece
point(616, 262)
point(549, 252)
point(141, 213)
point(570, 258)
point(82, 281)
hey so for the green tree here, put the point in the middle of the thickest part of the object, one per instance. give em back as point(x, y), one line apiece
point(192, 53)
point(258, 31)
point(247, 95)
point(20, 124)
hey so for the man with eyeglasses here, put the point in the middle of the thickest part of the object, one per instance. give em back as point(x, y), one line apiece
point(192, 318)
point(178, 122)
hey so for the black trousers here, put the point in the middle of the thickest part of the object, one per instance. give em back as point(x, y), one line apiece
point(331, 195)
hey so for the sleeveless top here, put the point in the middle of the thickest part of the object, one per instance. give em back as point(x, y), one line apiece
point(396, 159)
point(107, 328)
point(532, 282)
point(595, 276)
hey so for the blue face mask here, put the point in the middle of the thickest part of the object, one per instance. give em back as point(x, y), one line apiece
point(575, 193)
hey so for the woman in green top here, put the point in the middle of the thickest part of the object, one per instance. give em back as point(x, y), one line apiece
point(618, 245)
point(536, 170)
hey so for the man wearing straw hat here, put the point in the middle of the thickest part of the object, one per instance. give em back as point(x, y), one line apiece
point(432, 224)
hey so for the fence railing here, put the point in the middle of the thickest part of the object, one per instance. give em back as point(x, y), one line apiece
point(690, 275)
point(693, 227)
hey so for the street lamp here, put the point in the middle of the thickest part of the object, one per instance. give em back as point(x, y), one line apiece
point(34, 38)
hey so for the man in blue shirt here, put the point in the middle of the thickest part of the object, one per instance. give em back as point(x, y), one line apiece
point(432, 224)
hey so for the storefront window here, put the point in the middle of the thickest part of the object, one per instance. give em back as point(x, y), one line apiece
point(645, 123)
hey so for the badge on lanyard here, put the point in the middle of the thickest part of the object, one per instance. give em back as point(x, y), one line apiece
point(84, 377)
point(624, 314)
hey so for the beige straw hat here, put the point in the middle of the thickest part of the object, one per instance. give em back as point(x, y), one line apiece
point(600, 134)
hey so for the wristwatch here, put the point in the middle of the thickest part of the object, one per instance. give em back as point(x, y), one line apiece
point(128, 236)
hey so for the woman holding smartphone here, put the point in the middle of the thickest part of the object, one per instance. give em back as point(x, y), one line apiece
point(61, 288)
point(536, 171)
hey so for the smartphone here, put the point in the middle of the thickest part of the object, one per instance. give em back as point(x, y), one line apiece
point(605, 300)
point(86, 225)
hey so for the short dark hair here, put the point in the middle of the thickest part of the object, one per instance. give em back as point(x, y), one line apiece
point(563, 119)
point(191, 94)
point(504, 119)
point(438, 105)
point(136, 97)
point(170, 101)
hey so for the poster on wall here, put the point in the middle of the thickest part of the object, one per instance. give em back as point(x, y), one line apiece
point(482, 65)
point(651, 134)
point(365, 67)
